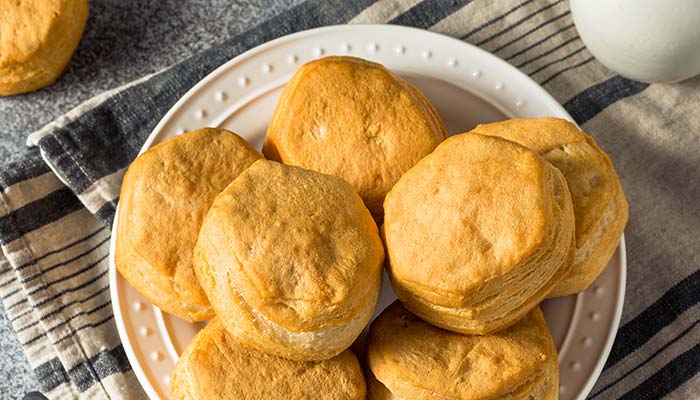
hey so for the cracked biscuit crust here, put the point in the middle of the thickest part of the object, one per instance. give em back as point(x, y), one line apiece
point(353, 118)
point(477, 233)
point(600, 206)
point(410, 359)
point(291, 261)
point(214, 366)
point(165, 195)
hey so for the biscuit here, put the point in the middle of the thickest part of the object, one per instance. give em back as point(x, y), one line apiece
point(291, 260)
point(214, 366)
point(165, 195)
point(410, 359)
point(353, 118)
point(477, 233)
point(600, 207)
point(37, 39)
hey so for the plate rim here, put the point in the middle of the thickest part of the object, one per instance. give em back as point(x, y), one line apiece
point(614, 328)
point(158, 130)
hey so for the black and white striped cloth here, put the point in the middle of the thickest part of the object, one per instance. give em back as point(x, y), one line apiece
point(57, 204)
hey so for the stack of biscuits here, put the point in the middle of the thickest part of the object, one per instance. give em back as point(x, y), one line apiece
point(284, 253)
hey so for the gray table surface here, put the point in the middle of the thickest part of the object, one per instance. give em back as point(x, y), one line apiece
point(123, 40)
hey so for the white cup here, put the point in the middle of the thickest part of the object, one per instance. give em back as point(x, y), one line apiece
point(644, 40)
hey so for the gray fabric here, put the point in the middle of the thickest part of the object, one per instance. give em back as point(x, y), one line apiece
point(650, 131)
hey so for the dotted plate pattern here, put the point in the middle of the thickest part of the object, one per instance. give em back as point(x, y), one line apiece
point(467, 86)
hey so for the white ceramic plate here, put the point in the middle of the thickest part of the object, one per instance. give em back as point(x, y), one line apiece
point(466, 85)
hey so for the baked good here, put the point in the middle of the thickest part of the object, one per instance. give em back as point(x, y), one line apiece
point(291, 261)
point(165, 195)
point(600, 207)
point(410, 359)
point(478, 233)
point(214, 366)
point(37, 39)
point(353, 118)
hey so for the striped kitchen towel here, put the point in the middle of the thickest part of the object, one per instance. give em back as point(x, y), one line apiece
point(56, 205)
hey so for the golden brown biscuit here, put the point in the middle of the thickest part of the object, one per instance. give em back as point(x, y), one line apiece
point(214, 366)
point(37, 39)
point(165, 195)
point(600, 207)
point(410, 359)
point(477, 233)
point(353, 118)
point(291, 261)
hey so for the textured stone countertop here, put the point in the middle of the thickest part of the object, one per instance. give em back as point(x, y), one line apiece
point(123, 40)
